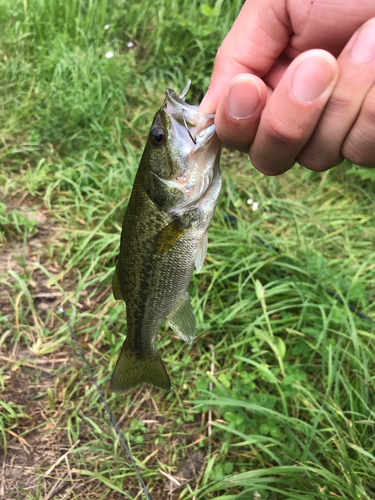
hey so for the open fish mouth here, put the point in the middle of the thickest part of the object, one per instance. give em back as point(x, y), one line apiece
point(195, 143)
point(199, 126)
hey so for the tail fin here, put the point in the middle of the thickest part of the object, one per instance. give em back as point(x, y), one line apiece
point(131, 371)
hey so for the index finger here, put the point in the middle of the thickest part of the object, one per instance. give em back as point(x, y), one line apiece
point(257, 38)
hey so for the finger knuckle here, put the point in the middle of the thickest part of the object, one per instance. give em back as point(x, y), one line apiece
point(358, 159)
point(315, 163)
point(268, 169)
point(368, 111)
point(224, 56)
point(220, 55)
point(318, 158)
point(357, 153)
point(358, 146)
point(340, 101)
point(282, 133)
point(352, 153)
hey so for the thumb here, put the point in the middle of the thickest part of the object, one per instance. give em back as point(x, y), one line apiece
point(257, 38)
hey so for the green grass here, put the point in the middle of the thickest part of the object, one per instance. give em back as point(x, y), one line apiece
point(292, 391)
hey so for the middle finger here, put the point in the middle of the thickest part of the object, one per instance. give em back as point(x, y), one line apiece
point(293, 111)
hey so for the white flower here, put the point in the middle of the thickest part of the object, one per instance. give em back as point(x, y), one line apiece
point(109, 55)
point(106, 26)
point(249, 201)
point(255, 206)
point(130, 44)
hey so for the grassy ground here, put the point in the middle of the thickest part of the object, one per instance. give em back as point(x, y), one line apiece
point(285, 371)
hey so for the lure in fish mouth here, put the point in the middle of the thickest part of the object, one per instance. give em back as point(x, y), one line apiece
point(164, 235)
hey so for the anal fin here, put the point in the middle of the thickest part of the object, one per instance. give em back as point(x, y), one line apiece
point(182, 320)
point(201, 252)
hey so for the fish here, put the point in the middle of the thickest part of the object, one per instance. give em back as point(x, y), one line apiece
point(164, 235)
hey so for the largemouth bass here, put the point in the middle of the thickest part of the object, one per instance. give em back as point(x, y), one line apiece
point(164, 234)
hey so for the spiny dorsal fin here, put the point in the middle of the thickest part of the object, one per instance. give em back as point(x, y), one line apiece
point(182, 320)
point(169, 236)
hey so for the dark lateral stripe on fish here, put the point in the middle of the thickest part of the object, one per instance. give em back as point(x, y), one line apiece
point(139, 316)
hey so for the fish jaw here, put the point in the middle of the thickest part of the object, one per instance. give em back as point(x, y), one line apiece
point(177, 109)
point(189, 129)
point(196, 148)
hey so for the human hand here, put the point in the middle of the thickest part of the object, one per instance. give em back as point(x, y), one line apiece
point(282, 101)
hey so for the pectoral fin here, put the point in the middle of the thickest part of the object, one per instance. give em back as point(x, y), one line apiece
point(116, 286)
point(201, 252)
point(182, 320)
point(169, 236)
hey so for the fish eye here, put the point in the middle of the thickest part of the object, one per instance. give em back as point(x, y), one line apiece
point(157, 137)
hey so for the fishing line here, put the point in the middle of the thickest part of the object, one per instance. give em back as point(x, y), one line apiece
point(146, 492)
point(328, 290)
point(187, 128)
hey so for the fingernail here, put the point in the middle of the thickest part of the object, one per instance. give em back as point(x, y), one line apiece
point(243, 100)
point(363, 49)
point(311, 78)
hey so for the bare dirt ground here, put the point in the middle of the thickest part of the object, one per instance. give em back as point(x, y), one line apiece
point(22, 367)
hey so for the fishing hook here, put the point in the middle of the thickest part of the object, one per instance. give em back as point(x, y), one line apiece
point(183, 117)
